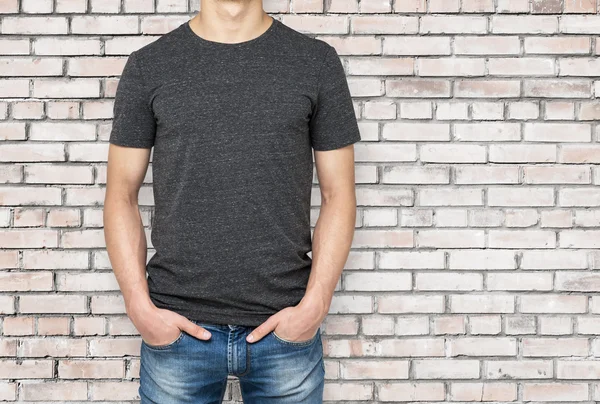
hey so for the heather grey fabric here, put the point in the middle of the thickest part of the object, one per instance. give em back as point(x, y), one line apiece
point(232, 126)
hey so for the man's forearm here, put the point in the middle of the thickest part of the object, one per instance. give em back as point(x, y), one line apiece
point(127, 249)
point(332, 240)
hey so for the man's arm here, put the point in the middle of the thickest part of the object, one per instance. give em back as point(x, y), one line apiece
point(331, 244)
point(127, 247)
point(334, 230)
point(123, 228)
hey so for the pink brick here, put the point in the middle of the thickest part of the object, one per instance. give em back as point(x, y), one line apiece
point(547, 6)
point(381, 66)
point(483, 391)
point(419, 88)
point(482, 346)
point(487, 132)
point(96, 66)
point(555, 347)
point(104, 25)
point(160, 25)
point(580, 6)
point(415, 45)
point(36, 6)
point(558, 174)
point(394, 391)
point(117, 390)
point(487, 88)
point(355, 45)
point(28, 110)
point(552, 88)
point(446, 368)
point(105, 6)
point(90, 369)
point(580, 369)
point(524, 24)
point(482, 303)
point(523, 369)
point(53, 325)
point(492, 45)
point(12, 131)
point(450, 238)
point(553, 304)
point(521, 66)
point(374, 6)
point(383, 369)
point(555, 391)
point(557, 45)
point(18, 326)
point(383, 25)
point(14, 46)
point(318, 24)
point(26, 281)
point(477, 6)
point(9, 6)
point(557, 132)
point(37, 25)
point(66, 88)
point(520, 281)
point(138, 6)
point(410, 6)
point(524, 238)
point(57, 391)
point(310, 6)
point(446, 153)
point(580, 24)
point(451, 67)
point(513, 6)
point(442, 24)
point(53, 346)
point(449, 325)
point(444, 6)
point(448, 281)
point(26, 369)
point(71, 6)
point(66, 46)
point(37, 303)
point(10, 88)
point(348, 390)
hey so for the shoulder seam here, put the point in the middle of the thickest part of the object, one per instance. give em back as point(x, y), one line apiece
point(140, 73)
point(329, 47)
point(134, 54)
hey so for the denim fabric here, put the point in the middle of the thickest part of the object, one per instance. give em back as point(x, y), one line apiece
point(271, 370)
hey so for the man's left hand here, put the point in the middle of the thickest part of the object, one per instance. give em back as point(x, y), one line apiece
point(295, 323)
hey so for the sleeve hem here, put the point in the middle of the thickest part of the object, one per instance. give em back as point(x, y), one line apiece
point(125, 143)
point(336, 145)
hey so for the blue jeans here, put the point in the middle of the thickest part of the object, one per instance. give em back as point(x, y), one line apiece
point(271, 370)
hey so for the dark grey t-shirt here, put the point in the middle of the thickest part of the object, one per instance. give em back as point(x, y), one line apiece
point(232, 126)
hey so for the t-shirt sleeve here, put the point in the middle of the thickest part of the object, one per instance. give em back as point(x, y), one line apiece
point(133, 122)
point(333, 123)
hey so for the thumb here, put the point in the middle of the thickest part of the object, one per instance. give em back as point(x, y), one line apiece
point(193, 329)
point(263, 329)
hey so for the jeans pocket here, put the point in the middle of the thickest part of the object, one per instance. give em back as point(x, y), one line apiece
point(165, 346)
point(297, 343)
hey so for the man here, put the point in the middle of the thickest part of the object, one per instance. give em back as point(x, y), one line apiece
point(232, 102)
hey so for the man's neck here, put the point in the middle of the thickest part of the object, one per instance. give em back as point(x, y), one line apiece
point(230, 21)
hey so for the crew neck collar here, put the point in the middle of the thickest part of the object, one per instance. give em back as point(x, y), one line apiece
point(225, 45)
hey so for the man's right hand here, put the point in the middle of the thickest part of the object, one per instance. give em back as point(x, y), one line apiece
point(161, 326)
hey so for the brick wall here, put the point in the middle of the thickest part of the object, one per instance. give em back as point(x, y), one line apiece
point(475, 265)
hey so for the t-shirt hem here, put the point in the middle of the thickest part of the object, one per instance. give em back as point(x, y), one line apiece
point(222, 317)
